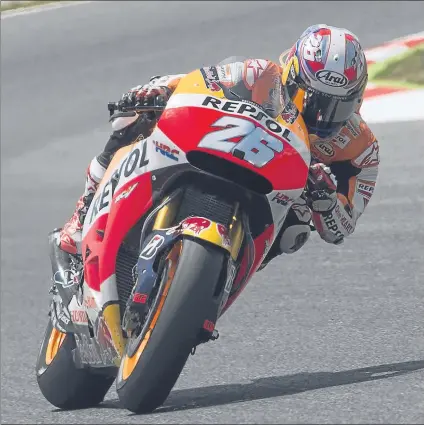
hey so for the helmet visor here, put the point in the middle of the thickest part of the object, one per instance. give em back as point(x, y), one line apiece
point(324, 115)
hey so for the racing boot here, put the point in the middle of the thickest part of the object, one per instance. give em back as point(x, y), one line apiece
point(71, 233)
point(294, 233)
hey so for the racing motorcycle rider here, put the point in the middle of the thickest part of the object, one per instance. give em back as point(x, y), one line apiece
point(323, 77)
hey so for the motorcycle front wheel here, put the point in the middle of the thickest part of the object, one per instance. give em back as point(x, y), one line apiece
point(189, 285)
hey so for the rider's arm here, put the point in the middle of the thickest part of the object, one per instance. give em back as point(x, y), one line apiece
point(356, 181)
point(157, 85)
point(167, 82)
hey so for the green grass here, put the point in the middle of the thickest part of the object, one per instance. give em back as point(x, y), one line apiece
point(405, 70)
point(17, 5)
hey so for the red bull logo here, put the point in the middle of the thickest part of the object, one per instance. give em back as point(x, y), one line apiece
point(196, 224)
point(108, 352)
point(223, 231)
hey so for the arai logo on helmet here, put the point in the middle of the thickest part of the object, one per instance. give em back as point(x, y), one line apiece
point(331, 78)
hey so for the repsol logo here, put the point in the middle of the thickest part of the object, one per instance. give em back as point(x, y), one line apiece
point(344, 221)
point(331, 224)
point(365, 190)
point(135, 160)
point(250, 111)
point(331, 78)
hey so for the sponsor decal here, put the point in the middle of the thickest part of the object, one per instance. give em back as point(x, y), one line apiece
point(107, 350)
point(365, 189)
point(70, 278)
point(292, 71)
point(325, 148)
point(150, 250)
point(250, 111)
point(195, 225)
point(135, 160)
point(268, 245)
point(290, 113)
point(348, 210)
point(282, 199)
point(301, 210)
point(346, 225)
point(358, 60)
point(79, 317)
point(165, 150)
point(231, 274)
point(254, 69)
point(331, 78)
point(343, 220)
point(223, 231)
point(369, 158)
point(210, 75)
point(224, 73)
point(341, 140)
point(354, 125)
point(331, 224)
point(254, 144)
point(172, 230)
point(125, 193)
point(89, 302)
point(140, 298)
point(312, 50)
point(63, 318)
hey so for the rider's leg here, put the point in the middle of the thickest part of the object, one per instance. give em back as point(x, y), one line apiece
point(70, 235)
point(294, 233)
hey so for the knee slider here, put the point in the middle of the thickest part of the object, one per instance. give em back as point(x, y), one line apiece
point(294, 237)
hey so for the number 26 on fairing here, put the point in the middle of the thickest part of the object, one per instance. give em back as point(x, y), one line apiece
point(255, 146)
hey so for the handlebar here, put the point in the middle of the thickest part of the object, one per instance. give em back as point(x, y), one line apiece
point(115, 106)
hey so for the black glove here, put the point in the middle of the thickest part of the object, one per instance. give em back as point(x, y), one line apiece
point(147, 95)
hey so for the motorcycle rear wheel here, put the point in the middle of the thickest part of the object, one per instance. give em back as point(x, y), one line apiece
point(147, 376)
point(60, 381)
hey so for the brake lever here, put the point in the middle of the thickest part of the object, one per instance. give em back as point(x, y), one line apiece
point(112, 107)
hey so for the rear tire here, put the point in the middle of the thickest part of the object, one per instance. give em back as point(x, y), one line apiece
point(190, 301)
point(62, 383)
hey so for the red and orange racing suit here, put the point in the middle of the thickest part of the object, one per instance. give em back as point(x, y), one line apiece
point(352, 155)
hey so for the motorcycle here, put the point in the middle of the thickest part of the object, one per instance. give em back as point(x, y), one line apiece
point(177, 228)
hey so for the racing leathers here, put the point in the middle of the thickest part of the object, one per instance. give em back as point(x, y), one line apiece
point(343, 171)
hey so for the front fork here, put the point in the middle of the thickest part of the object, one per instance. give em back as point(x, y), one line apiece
point(161, 239)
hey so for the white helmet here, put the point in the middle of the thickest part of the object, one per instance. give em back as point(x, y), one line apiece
point(325, 73)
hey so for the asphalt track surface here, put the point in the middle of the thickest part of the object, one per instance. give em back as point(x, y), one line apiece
point(329, 334)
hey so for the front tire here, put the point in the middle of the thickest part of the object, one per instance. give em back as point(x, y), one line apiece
point(60, 381)
point(147, 375)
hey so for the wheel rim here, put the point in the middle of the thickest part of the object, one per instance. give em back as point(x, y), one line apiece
point(55, 341)
point(129, 363)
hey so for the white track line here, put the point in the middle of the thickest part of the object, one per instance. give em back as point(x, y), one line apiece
point(394, 107)
point(28, 10)
point(409, 37)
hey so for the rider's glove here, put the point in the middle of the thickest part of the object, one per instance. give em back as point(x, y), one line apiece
point(321, 194)
point(146, 95)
